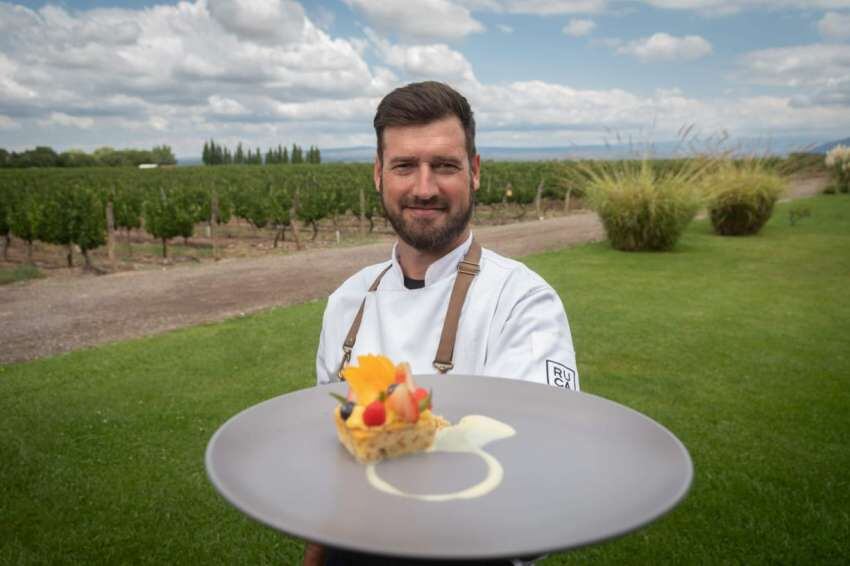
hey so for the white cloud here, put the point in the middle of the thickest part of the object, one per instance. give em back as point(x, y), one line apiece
point(272, 21)
point(357, 109)
point(505, 29)
point(539, 7)
point(579, 27)
point(520, 113)
point(10, 88)
point(819, 65)
point(821, 70)
point(183, 73)
point(726, 7)
point(834, 25)
point(226, 106)
point(422, 20)
point(666, 47)
point(62, 119)
point(423, 61)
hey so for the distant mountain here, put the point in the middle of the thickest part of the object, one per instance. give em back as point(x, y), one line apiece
point(829, 145)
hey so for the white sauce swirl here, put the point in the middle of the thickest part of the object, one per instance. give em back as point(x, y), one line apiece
point(470, 435)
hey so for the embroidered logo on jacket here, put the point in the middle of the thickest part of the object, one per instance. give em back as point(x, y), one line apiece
point(560, 375)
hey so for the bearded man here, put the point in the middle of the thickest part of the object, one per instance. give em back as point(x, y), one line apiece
point(440, 302)
point(511, 323)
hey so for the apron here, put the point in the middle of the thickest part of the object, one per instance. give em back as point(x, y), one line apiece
point(467, 269)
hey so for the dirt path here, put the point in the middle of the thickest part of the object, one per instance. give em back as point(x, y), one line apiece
point(47, 317)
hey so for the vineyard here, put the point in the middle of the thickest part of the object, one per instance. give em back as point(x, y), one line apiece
point(170, 214)
point(129, 217)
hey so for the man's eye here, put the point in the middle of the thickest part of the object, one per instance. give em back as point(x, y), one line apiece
point(401, 167)
point(446, 167)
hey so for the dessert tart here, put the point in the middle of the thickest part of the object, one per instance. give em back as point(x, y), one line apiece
point(384, 415)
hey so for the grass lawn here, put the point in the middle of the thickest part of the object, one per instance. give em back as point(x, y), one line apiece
point(737, 345)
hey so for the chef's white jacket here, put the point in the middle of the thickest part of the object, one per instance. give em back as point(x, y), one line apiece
point(512, 324)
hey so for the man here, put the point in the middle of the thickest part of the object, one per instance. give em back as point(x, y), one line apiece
point(441, 302)
point(512, 323)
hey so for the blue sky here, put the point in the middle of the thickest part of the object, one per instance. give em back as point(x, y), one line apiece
point(539, 73)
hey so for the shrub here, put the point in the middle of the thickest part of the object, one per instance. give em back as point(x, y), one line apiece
point(741, 196)
point(838, 162)
point(644, 207)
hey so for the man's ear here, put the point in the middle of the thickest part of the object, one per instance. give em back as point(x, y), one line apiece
point(377, 170)
point(476, 171)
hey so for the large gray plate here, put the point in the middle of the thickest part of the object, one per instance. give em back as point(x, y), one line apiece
point(579, 470)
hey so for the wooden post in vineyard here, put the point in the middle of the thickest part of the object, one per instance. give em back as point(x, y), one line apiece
point(361, 223)
point(110, 234)
point(293, 220)
point(214, 222)
point(537, 200)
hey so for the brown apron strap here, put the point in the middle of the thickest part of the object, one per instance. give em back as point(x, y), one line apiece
point(467, 269)
point(466, 272)
point(348, 345)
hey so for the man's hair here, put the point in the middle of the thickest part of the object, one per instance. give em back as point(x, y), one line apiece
point(422, 103)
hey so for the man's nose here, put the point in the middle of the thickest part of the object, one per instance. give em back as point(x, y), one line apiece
point(426, 182)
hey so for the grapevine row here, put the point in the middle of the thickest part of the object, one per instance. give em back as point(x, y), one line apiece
point(69, 206)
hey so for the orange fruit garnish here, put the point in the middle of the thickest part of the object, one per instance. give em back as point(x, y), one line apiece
point(370, 378)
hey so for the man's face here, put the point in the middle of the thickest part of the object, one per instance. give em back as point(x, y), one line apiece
point(427, 183)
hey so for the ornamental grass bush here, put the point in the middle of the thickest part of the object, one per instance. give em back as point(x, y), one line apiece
point(838, 163)
point(741, 196)
point(643, 206)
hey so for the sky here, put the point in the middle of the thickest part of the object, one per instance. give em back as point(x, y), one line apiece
point(80, 74)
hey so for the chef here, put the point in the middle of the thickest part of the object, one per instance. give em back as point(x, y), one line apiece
point(440, 302)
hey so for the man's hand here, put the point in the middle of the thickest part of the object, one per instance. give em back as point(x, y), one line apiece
point(314, 555)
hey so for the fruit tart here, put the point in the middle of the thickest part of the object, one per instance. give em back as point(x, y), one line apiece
point(384, 415)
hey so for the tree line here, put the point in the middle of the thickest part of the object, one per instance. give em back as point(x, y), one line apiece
point(218, 154)
point(44, 156)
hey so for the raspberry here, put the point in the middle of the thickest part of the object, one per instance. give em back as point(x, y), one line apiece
point(375, 414)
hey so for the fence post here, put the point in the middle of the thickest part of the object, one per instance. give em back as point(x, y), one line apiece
point(537, 200)
point(361, 222)
point(110, 234)
point(214, 222)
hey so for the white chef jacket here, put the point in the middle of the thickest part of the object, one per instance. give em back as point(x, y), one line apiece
point(512, 324)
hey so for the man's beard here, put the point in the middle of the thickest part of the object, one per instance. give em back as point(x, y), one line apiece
point(422, 234)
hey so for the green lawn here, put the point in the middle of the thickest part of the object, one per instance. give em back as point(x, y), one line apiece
point(739, 346)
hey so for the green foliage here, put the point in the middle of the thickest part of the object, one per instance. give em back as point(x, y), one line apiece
point(127, 207)
point(169, 213)
point(643, 207)
point(25, 213)
point(21, 272)
point(43, 156)
point(5, 208)
point(76, 158)
point(741, 196)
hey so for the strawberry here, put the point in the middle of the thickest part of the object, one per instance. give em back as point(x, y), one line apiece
point(402, 402)
point(404, 375)
point(423, 398)
point(375, 414)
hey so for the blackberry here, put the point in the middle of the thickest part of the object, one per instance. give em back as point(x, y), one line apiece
point(346, 409)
